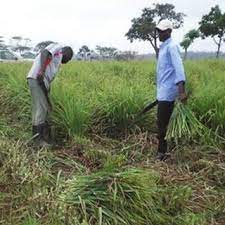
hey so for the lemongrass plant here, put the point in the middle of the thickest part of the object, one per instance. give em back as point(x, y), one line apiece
point(184, 126)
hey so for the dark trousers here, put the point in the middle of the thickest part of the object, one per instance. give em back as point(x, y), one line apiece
point(164, 113)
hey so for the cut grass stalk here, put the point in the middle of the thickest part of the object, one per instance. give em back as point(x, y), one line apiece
point(185, 126)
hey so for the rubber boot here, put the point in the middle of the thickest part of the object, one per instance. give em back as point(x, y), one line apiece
point(35, 135)
point(42, 143)
point(162, 149)
point(47, 132)
point(34, 130)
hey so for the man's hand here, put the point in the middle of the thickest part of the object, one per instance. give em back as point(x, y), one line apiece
point(40, 77)
point(181, 90)
point(183, 97)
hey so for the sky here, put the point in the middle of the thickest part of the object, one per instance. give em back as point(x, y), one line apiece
point(95, 22)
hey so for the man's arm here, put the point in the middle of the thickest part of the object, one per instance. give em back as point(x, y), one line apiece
point(179, 72)
point(181, 91)
point(46, 58)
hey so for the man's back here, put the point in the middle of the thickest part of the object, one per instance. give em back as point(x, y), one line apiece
point(52, 65)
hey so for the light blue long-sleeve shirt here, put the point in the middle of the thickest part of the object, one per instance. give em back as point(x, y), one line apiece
point(170, 71)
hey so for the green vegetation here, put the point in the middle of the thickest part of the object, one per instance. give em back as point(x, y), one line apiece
point(102, 169)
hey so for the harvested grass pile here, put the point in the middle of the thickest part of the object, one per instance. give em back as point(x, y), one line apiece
point(133, 196)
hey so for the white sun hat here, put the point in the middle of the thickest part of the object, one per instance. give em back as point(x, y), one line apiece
point(164, 25)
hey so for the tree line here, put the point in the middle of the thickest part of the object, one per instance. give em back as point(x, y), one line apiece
point(142, 28)
point(23, 45)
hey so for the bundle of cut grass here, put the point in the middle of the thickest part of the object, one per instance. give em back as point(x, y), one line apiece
point(130, 197)
point(184, 125)
point(113, 197)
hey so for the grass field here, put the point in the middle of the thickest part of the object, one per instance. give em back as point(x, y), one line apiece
point(102, 170)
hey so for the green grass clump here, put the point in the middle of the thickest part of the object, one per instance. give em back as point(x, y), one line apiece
point(184, 125)
point(132, 196)
point(105, 98)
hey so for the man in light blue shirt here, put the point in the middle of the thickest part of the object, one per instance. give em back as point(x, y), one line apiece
point(170, 82)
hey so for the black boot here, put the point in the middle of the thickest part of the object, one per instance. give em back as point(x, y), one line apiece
point(162, 149)
point(40, 139)
point(47, 132)
point(35, 134)
point(34, 130)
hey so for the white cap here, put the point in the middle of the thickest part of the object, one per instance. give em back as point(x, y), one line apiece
point(164, 25)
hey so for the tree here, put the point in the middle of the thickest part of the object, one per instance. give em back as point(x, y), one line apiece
point(143, 28)
point(19, 44)
point(106, 52)
point(84, 48)
point(21, 49)
point(42, 45)
point(17, 40)
point(213, 25)
point(26, 41)
point(188, 40)
point(126, 55)
point(2, 43)
point(94, 55)
point(84, 52)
